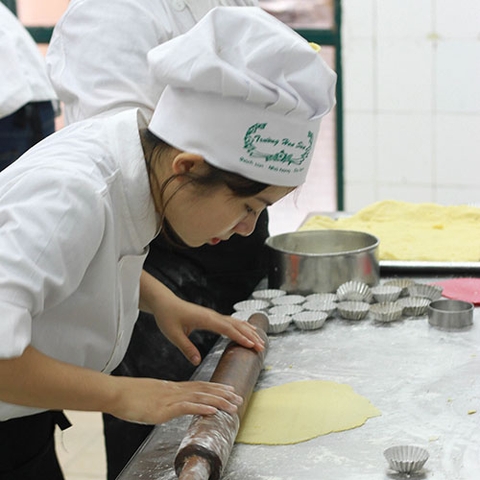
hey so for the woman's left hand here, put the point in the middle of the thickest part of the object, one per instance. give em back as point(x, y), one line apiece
point(177, 319)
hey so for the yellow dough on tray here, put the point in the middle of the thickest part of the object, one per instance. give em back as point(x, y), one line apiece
point(299, 411)
point(414, 231)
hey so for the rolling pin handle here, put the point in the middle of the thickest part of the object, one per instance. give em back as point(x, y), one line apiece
point(195, 468)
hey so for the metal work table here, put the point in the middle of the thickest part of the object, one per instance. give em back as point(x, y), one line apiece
point(425, 381)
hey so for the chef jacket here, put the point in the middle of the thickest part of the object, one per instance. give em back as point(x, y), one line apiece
point(76, 216)
point(23, 74)
point(91, 76)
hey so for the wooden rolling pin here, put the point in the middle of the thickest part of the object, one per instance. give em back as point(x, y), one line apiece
point(204, 451)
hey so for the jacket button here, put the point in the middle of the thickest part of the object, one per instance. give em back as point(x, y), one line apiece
point(178, 4)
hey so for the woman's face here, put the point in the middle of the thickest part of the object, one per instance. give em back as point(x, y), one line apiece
point(216, 216)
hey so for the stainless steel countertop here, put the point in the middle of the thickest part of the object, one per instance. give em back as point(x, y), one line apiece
point(426, 383)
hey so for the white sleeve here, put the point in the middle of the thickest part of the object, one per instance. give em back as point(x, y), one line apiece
point(44, 250)
point(15, 90)
point(97, 56)
point(200, 8)
point(23, 74)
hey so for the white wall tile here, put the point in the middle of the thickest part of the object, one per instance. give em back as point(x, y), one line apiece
point(424, 119)
point(457, 18)
point(406, 192)
point(404, 148)
point(405, 75)
point(457, 195)
point(458, 76)
point(285, 216)
point(404, 18)
point(359, 74)
point(359, 147)
point(359, 195)
point(457, 146)
point(357, 19)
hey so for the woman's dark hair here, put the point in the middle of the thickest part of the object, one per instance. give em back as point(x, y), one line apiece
point(155, 147)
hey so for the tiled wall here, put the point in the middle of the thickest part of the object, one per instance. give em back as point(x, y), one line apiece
point(412, 101)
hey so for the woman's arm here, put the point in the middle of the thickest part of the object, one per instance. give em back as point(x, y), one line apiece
point(177, 319)
point(37, 380)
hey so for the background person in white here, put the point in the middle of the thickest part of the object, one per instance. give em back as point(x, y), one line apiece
point(26, 110)
point(97, 61)
point(97, 56)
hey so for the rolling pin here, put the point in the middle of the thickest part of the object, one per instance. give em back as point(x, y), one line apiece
point(204, 451)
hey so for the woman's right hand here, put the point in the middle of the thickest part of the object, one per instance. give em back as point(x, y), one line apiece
point(37, 380)
point(150, 401)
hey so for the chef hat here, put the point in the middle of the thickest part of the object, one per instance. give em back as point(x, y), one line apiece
point(244, 91)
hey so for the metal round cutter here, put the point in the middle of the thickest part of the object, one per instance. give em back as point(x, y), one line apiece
point(450, 314)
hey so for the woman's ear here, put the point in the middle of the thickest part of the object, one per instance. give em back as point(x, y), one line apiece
point(186, 162)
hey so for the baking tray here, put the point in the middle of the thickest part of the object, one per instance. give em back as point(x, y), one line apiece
point(403, 266)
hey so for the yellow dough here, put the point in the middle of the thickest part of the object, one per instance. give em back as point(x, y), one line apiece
point(299, 411)
point(410, 231)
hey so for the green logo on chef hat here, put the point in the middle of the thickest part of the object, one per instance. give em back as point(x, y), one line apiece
point(284, 150)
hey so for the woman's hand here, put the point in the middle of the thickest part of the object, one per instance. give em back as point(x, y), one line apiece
point(150, 401)
point(179, 322)
point(177, 319)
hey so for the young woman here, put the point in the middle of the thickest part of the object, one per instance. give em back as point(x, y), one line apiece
point(105, 72)
point(232, 133)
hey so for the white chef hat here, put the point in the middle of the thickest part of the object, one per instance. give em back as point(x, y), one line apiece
point(244, 91)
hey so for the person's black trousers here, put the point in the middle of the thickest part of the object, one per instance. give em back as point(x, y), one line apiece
point(28, 447)
point(23, 129)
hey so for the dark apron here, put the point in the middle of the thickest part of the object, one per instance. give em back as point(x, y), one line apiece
point(28, 447)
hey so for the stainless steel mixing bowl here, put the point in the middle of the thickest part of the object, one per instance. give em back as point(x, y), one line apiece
point(320, 261)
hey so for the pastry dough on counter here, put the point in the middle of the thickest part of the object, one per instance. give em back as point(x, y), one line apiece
point(414, 231)
point(299, 411)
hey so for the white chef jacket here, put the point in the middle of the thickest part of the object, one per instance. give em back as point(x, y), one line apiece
point(97, 57)
point(76, 216)
point(23, 74)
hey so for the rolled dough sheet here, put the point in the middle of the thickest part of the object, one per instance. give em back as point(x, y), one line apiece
point(414, 231)
point(299, 411)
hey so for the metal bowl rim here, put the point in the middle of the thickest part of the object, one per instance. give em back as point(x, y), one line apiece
point(373, 238)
